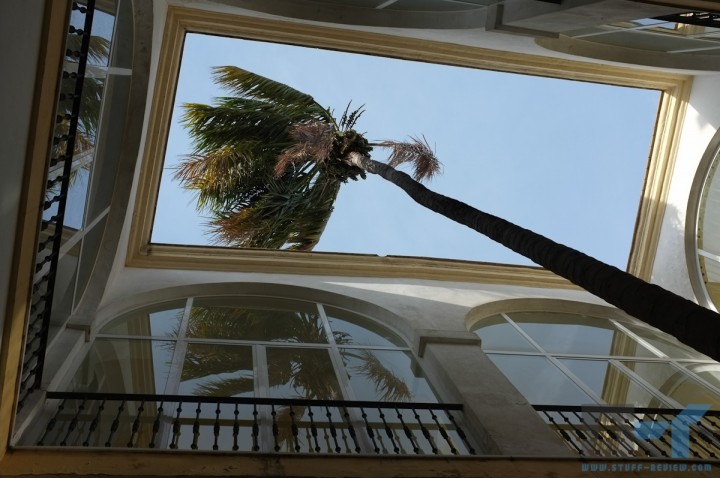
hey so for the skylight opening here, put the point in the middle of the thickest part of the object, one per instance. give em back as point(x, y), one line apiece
point(564, 158)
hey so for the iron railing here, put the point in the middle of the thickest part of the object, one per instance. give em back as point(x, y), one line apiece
point(702, 19)
point(242, 424)
point(53, 207)
point(610, 431)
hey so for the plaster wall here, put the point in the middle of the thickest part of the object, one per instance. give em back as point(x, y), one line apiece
point(20, 26)
point(702, 119)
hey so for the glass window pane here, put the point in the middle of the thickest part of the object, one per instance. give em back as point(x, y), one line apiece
point(710, 372)
point(301, 373)
point(258, 319)
point(218, 371)
point(674, 384)
point(497, 334)
point(539, 380)
point(667, 344)
point(567, 333)
point(125, 366)
point(162, 320)
point(611, 383)
point(350, 328)
point(386, 375)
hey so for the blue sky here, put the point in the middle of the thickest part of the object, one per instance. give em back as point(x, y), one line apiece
point(564, 158)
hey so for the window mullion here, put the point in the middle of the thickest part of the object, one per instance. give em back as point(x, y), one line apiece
point(174, 374)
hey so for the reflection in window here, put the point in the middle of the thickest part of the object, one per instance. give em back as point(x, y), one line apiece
point(301, 373)
point(386, 375)
point(573, 359)
point(217, 371)
point(253, 346)
point(125, 366)
point(267, 322)
point(157, 321)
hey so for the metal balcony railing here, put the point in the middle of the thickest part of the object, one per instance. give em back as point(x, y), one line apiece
point(611, 431)
point(240, 424)
point(56, 194)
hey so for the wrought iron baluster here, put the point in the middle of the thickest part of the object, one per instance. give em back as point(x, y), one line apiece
point(425, 432)
point(333, 432)
point(51, 423)
point(216, 427)
point(351, 431)
point(115, 423)
point(94, 424)
point(369, 430)
point(273, 414)
point(408, 434)
point(236, 428)
point(460, 432)
point(444, 433)
point(176, 428)
point(156, 425)
point(136, 424)
point(294, 429)
point(388, 431)
point(313, 430)
point(255, 430)
point(196, 427)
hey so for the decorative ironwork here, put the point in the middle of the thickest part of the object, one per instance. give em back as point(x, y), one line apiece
point(609, 431)
point(253, 424)
point(56, 191)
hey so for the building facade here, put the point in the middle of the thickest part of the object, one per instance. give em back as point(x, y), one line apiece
point(124, 357)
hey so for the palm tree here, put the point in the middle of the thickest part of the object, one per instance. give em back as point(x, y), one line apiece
point(270, 157)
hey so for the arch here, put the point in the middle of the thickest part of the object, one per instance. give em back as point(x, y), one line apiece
point(239, 289)
point(707, 169)
point(259, 339)
point(483, 311)
point(575, 353)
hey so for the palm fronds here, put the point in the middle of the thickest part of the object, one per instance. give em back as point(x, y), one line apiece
point(417, 152)
point(269, 161)
point(238, 141)
point(387, 384)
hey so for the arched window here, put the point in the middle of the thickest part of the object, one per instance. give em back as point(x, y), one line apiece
point(573, 359)
point(707, 221)
point(251, 346)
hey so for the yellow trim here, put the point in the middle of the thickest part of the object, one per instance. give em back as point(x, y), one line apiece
point(50, 59)
point(48, 462)
point(141, 253)
point(663, 153)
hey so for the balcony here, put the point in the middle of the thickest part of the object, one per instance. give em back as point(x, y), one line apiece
point(238, 424)
point(603, 431)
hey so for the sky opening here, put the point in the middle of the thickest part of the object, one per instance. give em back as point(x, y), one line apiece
point(564, 158)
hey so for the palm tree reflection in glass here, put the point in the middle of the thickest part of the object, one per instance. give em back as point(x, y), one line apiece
point(300, 372)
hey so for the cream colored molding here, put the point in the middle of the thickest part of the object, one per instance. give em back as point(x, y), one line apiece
point(50, 61)
point(141, 253)
point(661, 164)
point(326, 263)
point(708, 162)
point(507, 306)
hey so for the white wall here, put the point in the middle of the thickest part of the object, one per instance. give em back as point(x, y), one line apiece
point(702, 120)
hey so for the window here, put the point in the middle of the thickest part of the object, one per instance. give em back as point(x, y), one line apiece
point(251, 346)
point(184, 25)
point(572, 359)
point(708, 232)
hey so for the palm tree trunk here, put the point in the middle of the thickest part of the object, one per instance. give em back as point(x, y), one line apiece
point(690, 323)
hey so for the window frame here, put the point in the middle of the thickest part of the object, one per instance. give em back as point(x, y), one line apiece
point(142, 253)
